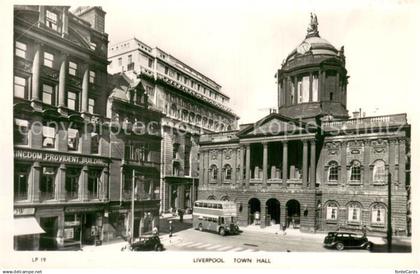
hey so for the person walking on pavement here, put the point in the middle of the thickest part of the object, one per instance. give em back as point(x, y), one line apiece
point(170, 228)
point(181, 215)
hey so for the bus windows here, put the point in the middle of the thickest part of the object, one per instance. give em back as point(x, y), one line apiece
point(219, 206)
point(214, 205)
point(196, 204)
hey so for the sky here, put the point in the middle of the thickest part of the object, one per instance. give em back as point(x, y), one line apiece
point(241, 45)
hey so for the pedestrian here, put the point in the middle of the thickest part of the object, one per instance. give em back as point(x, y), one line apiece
point(170, 228)
point(155, 231)
point(284, 229)
point(181, 215)
point(364, 230)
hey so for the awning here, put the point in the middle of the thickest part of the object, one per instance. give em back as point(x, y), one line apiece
point(27, 226)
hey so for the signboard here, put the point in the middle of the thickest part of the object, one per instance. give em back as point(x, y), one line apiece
point(72, 223)
point(57, 157)
point(24, 211)
point(68, 233)
point(82, 209)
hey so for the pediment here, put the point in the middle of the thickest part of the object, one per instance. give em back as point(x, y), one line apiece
point(274, 124)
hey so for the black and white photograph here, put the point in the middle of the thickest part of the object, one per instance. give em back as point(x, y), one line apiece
point(209, 133)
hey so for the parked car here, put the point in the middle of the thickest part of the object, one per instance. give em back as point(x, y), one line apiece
point(341, 240)
point(147, 243)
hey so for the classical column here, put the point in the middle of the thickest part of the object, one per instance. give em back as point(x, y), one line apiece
point(265, 160)
point(104, 184)
point(62, 82)
point(320, 91)
point(295, 97)
point(235, 164)
point(220, 170)
point(310, 86)
point(401, 162)
point(36, 67)
point(241, 165)
point(85, 89)
point(202, 169)
point(312, 164)
point(284, 91)
point(284, 173)
point(343, 163)
point(263, 216)
point(305, 164)
point(33, 184)
point(248, 164)
point(60, 181)
point(366, 169)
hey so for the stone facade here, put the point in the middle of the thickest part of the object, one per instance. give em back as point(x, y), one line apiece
point(310, 166)
point(193, 104)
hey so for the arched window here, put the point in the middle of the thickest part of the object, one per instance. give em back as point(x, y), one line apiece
point(211, 197)
point(332, 210)
point(332, 171)
point(354, 211)
point(225, 198)
point(213, 172)
point(175, 169)
point(379, 172)
point(355, 171)
point(378, 214)
point(228, 172)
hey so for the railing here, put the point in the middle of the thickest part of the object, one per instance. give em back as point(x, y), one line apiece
point(93, 195)
point(377, 121)
point(21, 196)
point(71, 195)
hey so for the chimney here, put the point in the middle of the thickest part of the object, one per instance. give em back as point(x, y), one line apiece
point(357, 114)
point(94, 15)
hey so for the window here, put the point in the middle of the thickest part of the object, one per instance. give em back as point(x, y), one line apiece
point(228, 172)
point(166, 70)
point(47, 94)
point(333, 172)
point(21, 129)
point(73, 139)
point(72, 100)
point(21, 182)
point(51, 19)
point(379, 172)
point(48, 137)
point(303, 89)
point(94, 178)
point(72, 183)
point(315, 88)
point(72, 68)
point(94, 143)
point(354, 210)
point(19, 87)
point(92, 77)
point(120, 61)
point(213, 172)
point(47, 184)
point(91, 106)
point(378, 214)
point(150, 63)
point(92, 46)
point(130, 59)
point(175, 151)
point(20, 49)
point(332, 211)
point(355, 172)
point(48, 59)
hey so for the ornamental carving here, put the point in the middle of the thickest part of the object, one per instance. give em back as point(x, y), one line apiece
point(213, 154)
point(379, 146)
point(333, 148)
point(228, 154)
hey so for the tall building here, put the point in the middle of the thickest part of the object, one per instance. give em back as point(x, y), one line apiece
point(192, 104)
point(61, 164)
point(309, 165)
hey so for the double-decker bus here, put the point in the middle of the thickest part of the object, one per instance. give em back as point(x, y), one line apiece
point(213, 215)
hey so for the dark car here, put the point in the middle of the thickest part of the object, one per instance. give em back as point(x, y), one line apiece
point(341, 240)
point(147, 244)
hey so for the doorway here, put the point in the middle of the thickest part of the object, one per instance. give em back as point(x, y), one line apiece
point(293, 214)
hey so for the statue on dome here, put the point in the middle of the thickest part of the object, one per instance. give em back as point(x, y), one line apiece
point(313, 26)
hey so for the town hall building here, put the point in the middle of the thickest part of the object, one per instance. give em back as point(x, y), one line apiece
point(308, 165)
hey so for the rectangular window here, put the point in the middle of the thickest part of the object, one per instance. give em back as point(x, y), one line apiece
point(20, 87)
point(47, 184)
point(166, 70)
point(72, 68)
point(94, 178)
point(48, 59)
point(354, 214)
point(20, 49)
point(150, 63)
point(21, 129)
point(21, 182)
point(315, 88)
point(94, 143)
point(73, 139)
point(92, 77)
point(91, 106)
point(120, 61)
point(332, 213)
point(72, 100)
point(48, 137)
point(51, 19)
point(92, 46)
point(47, 94)
point(378, 216)
point(72, 183)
